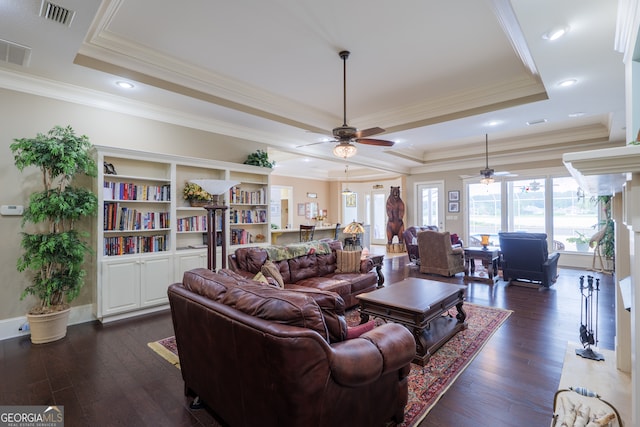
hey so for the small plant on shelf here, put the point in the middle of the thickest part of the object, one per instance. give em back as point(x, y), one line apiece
point(259, 158)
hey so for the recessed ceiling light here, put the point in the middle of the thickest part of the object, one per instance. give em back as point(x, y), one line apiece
point(567, 83)
point(494, 122)
point(536, 122)
point(125, 85)
point(577, 114)
point(555, 33)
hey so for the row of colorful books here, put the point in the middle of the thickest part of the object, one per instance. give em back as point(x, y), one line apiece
point(131, 191)
point(248, 216)
point(239, 196)
point(123, 245)
point(117, 217)
point(240, 236)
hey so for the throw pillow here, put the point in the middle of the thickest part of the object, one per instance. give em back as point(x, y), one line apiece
point(259, 277)
point(356, 331)
point(269, 269)
point(348, 261)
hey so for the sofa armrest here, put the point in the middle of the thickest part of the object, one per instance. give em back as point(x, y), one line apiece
point(359, 361)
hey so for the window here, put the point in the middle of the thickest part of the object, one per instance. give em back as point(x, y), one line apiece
point(555, 206)
point(485, 212)
point(526, 205)
point(574, 216)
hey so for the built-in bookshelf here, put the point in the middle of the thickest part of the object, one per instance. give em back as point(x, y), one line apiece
point(249, 209)
point(148, 235)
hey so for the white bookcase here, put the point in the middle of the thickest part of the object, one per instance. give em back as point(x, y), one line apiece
point(147, 233)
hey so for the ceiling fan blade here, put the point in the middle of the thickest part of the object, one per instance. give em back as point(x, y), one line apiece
point(369, 132)
point(378, 142)
point(315, 143)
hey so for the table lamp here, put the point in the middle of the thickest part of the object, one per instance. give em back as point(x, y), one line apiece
point(484, 241)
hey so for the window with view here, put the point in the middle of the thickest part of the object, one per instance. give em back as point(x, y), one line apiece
point(574, 216)
point(485, 212)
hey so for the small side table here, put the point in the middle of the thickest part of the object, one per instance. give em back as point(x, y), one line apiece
point(489, 257)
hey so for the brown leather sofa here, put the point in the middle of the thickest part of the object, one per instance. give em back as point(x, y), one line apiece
point(311, 270)
point(260, 355)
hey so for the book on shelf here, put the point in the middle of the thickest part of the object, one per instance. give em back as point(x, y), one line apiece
point(140, 192)
point(122, 218)
point(126, 245)
point(240, 236)
point(248, 216)
point(239, 196)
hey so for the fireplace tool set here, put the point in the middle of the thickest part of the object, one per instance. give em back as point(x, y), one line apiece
point(589, 309)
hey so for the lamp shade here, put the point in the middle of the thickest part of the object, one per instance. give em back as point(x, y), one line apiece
point(215, 187)
point(354, 228)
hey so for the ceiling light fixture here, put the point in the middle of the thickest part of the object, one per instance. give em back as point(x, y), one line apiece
point(125, 85)
point(576, 114)
point(345, 150)
point(567, 83)
point(486, 173)
point(555, 33)
point(346, 191)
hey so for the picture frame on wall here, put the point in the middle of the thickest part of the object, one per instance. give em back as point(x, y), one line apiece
point(454, 196)
point(301, 209)
point(351, 200)
point(454, 206)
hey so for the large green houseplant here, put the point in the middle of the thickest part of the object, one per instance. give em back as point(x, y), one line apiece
point(54, 250)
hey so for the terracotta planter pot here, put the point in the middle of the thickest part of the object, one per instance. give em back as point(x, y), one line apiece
point(48, 327)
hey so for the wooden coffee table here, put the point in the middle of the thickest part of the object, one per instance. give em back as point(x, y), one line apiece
point(489, 258)
point(418, 304)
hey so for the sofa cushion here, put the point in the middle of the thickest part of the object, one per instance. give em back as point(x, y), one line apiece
point(303, 267)
point(333, 308)
point(348, 261)
point(278, 305)
point(205, 282)
point(269, 269)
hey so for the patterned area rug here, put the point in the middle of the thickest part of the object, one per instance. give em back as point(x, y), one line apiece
point(426, 383)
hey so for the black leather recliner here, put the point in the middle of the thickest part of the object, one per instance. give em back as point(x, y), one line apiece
point(525, 256)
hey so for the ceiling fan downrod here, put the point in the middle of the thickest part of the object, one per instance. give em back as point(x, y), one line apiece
point(344, 55)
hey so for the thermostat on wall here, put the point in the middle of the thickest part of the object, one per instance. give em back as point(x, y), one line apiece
point(11, 209)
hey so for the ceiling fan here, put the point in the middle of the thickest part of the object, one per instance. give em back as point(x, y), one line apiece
point(487, 174)
point(345, 135)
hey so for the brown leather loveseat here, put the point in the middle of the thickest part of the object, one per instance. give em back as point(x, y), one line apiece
point(310, 265)
point(256, 355)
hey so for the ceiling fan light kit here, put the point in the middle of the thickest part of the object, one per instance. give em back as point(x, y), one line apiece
point(345, 150)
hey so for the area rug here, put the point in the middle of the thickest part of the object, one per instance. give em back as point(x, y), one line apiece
point(427, 383)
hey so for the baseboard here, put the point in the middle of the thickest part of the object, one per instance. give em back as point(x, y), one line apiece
point(12, 328)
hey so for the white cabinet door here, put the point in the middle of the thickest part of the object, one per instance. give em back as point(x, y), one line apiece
point(120, 286)
point(156, 274)
point(189, 261)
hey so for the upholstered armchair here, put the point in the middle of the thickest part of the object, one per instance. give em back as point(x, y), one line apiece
point(437, 255)
point(525, 256)
point(410, 237)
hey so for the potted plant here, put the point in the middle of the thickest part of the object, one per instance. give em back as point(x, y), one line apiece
point(54, 250)
point(196, 195)
point(259, 158)
point(581, 241)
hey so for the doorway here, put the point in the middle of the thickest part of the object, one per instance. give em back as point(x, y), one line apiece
point(430, 204)
point(379, 217)
point(280, 202)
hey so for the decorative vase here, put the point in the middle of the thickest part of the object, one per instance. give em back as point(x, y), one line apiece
point(48, 327)
point(198, 203)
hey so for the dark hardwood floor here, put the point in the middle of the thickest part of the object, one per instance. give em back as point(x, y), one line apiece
point(105, 375)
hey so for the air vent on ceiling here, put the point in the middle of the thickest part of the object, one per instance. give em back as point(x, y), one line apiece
point(14, 53)
point(55, 13)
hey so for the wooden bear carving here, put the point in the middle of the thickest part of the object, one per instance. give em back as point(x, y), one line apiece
point(395, 213)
